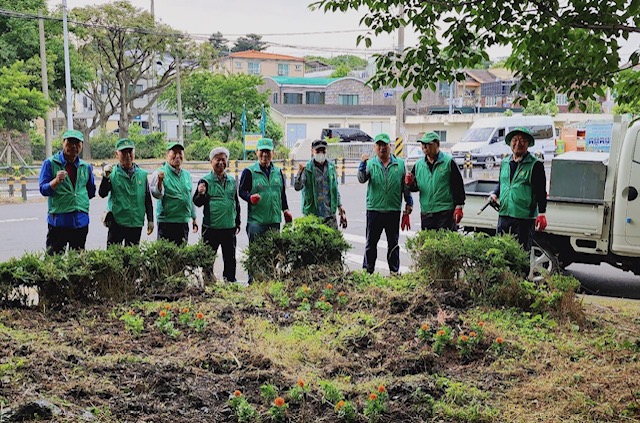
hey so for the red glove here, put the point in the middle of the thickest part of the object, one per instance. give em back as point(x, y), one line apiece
point(405, 224)
point(288, 217)
point(541, 223)
point(409, 178)
point(254, 199)
point(457, 215)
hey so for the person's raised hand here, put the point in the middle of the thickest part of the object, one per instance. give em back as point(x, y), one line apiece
point(364, 157)
point(202, 188)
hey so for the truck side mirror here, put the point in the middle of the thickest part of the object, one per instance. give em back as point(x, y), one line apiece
point(493, 140)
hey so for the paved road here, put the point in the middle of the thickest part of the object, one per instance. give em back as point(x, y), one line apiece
point(24, 228)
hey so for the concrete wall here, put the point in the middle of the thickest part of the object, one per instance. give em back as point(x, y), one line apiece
point(349, 86)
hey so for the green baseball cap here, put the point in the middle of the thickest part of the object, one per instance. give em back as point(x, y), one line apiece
point(171, 144)
point(429, 137)
point(520, 130)
point(72, 133)
point(124, 143)
point(264, 144)
point(382, 137)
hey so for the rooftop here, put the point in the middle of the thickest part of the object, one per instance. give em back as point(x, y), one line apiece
point(333, 110)
point(252, 54)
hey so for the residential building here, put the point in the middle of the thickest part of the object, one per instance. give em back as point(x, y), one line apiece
point(347, 91)
point(261, 63)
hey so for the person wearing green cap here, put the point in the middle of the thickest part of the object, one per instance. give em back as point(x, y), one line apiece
point(440, 184)
point(171, 186)
point(386, 176)
point(129, 198)
point(262, 186)
point(68, 183)
point(521, 190)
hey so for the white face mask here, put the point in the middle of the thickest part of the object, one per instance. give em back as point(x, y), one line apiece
point(320, 157)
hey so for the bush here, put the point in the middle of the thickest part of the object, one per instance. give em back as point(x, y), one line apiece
point(38, 148)
point(119, 273)
point(103, 145)
point(200, 149)
point(306, 242)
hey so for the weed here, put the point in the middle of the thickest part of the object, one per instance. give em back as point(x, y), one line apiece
point(269, 392)
point(133, 323)
point(441, 339)
point(303, 292)
point(346, 410)
point(245, 412)
point(323, 305)
point(330, 393)
point(305, 305)
point(298, 392)
point(278, 293)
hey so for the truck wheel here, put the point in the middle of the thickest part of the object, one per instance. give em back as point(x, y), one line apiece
point(543, 262)
point(489, 162)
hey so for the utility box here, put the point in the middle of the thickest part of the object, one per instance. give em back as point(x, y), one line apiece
point(579, 175)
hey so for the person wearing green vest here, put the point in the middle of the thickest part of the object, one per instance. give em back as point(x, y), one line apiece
point(522, 190)
point(386, 176)
point(67, 182)
point(440, 184)
point(221, 220)
point(318, 181)
point(262, 186)
point(129, 198)
point(171, 186)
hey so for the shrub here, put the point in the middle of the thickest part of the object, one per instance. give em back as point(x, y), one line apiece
point(103, 145)
point(200, 149)
point(305, 242)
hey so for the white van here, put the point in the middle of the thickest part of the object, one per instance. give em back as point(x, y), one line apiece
point(484, 140)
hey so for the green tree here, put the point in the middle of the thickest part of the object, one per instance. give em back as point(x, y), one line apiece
point(538, 106)
point(250, 42)
point(626, 82)
point(19, 36)
point(571, 47)
point(341, 71)
point(219, 44)
point(214, 102)
point(19, 102)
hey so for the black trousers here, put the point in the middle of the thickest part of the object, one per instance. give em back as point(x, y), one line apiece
point(178, 233)
point(117, 234)
point(227, 239)
point(58, 238)
point(439, 220)
point(376, 223)
point(521, 228)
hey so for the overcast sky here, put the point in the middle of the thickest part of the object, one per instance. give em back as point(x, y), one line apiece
point(266, 17)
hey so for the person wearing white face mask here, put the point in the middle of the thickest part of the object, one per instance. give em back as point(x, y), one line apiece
point(318, 181)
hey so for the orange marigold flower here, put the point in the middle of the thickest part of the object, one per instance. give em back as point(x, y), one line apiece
point(305, 288)
point(464, 338)
point(301, 383)
point(322, 298)
point(163, 313)
point(340, 404)
point(237, 393)
point(441, 333)
point(424, 327)
point(499, 340)
point(131, 313)
point(481, 324)
point(167, 306)
point(373, 396)
point(185, 310)
point(382, 389)
point(341, 294)
point(279, 402)
point(199, 316)
point(329, 286)
point(472, 334)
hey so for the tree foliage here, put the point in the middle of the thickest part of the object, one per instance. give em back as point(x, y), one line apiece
point(539, 107)
point(20, 103)
point(214, 102)
point(219, 44)
point(571, 47)
point(250, 42)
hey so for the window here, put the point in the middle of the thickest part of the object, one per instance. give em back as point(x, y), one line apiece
point(253, 68)
point(238, 65)
point(541, 131)
point(283, 69)
point(333, 125)
point(491, 101)
point(561, 100)
point(275, 98)
point(348, 99)
point(292, 98)
point(314, 97)
point(442, 135)
point(298, 67)
point(138, 89)
point(103, 89)
point(354, 125)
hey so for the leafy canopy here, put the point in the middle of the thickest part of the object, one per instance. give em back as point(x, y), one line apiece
point(20, 103)
point(571, 47)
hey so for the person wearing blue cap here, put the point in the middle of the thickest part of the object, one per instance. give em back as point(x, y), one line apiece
point(129, 198)
point(521, 190)
point(386, 176)
point(67, 182)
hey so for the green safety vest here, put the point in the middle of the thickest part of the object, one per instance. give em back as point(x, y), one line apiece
point(384, 192)
point(269, 208)
point(435, 187)
point(309, 195)
point(220, 211)
point(175, 206)
point(68, 198)
point(516, 195)
point(127, 197)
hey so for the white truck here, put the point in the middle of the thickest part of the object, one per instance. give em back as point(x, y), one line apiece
point(593, 209)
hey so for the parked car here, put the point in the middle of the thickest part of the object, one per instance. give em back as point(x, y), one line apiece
point(346, 134)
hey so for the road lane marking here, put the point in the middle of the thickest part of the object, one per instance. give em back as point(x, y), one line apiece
point(24, 219)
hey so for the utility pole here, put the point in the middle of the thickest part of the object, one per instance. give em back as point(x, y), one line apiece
point(153, 75)
point(179, 95)
point(67, 68)
point(45, 86)
point(398, 90)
